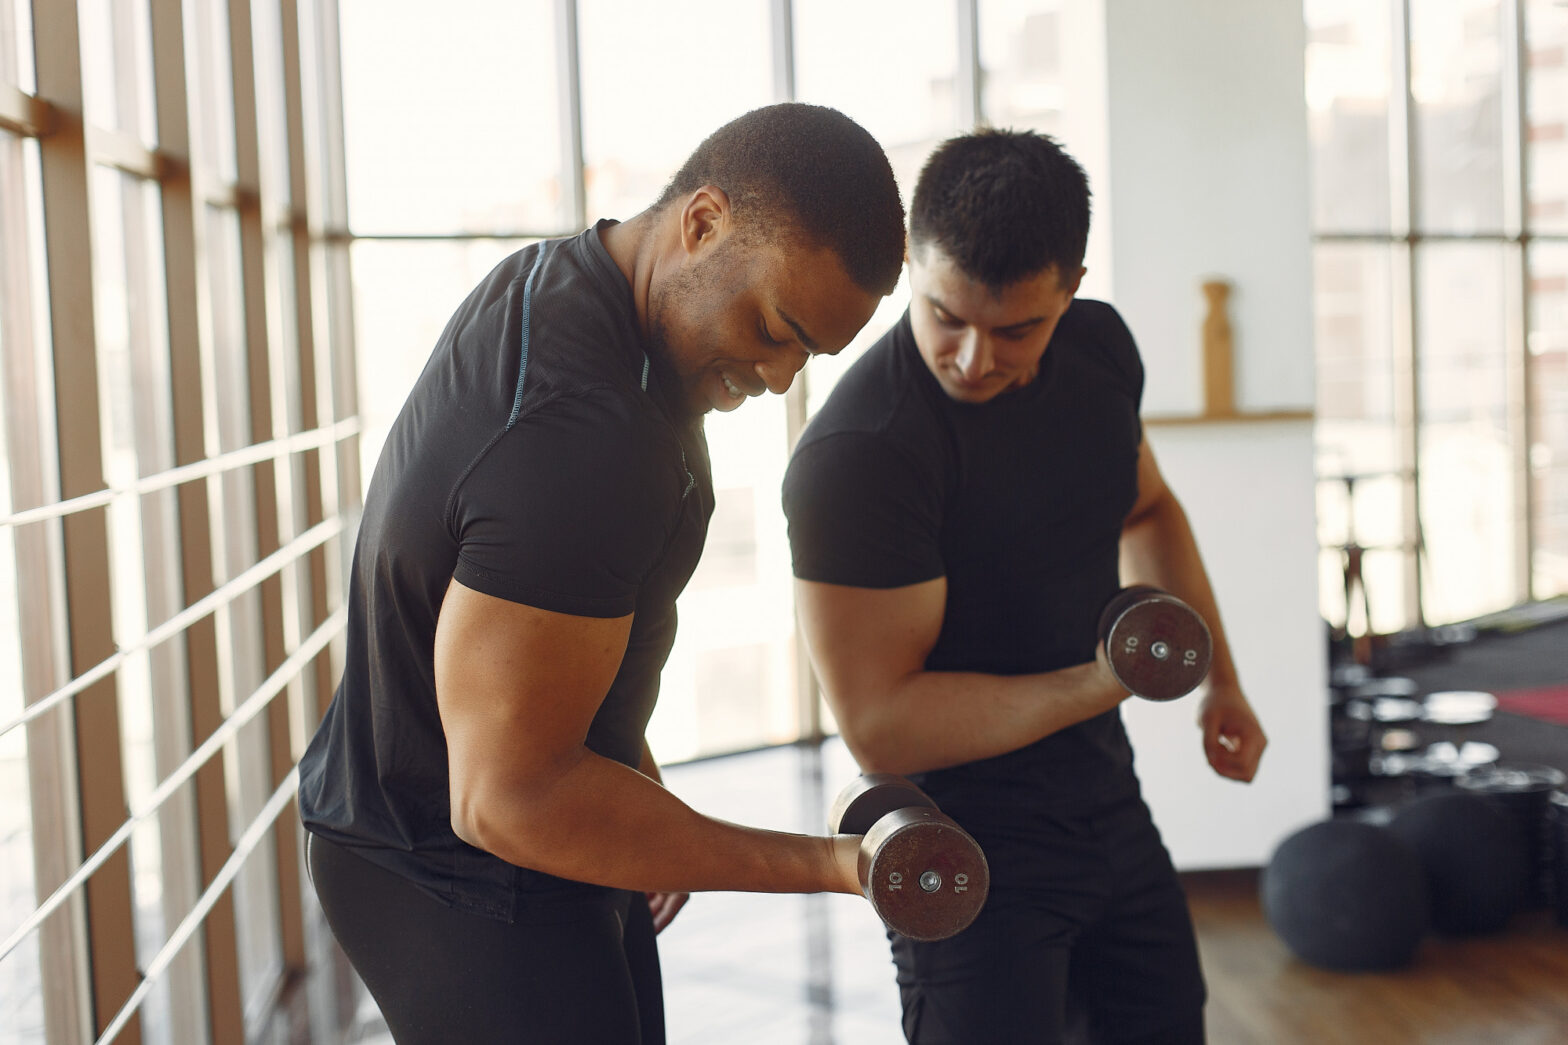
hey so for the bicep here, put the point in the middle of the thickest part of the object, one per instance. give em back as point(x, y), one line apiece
point(864, 641)
point(1152, 490)
point(518, 686)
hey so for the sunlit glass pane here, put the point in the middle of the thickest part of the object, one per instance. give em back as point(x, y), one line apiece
point(1456, 81)
point(1548, 341)
point(1546, 100)
point(1348, 71)
point(1466, 453)
point(451, 119)
point(650, 89)
point(1021, 63)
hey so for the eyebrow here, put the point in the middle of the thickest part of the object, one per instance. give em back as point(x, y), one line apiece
point(800, 331)
point(1011, 327)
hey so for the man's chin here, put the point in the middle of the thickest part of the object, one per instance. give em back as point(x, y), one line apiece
point(974, 394)
point(704, 398)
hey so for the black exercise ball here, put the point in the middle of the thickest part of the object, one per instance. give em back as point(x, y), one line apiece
point(1476, 867)
point(1346, 895)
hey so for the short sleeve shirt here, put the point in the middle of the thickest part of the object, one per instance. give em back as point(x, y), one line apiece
point(1018, 503)
point(543, 457)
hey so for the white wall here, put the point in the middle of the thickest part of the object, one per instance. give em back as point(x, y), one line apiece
point(1247, 491)
point(1207, 175)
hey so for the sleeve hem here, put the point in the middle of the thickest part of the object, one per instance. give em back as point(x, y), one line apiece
point(488, 583)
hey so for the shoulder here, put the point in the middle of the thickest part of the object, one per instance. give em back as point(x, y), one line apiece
point(597, 447)
point(1103, 336)
point(570, 508)
point(616, 430)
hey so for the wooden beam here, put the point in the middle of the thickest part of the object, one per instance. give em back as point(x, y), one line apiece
point(69, 261)
point(183, 249)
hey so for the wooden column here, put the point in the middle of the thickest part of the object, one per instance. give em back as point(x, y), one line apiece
point(68, 245)
point(183, 250)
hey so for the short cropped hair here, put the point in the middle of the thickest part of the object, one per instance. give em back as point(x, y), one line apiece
point(816, 171)
point(1003, 205)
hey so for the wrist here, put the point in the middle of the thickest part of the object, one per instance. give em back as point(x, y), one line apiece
point(844, 863)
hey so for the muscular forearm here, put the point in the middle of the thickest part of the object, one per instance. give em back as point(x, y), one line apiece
point(935, 719)
point(1159, 549)
point(598, 821)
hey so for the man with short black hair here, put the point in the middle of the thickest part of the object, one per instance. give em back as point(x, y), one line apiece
point(487, 830)
point(975, 489)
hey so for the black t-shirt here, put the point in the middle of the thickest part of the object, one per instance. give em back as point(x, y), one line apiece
point(1018, 502)
point(542, 458)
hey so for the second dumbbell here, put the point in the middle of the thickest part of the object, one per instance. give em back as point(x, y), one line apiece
point(924, 875)
point(1158, 647)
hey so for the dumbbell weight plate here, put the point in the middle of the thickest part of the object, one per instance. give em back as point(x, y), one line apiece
point(1158, 647)
point(869, 798)
point(926, 878)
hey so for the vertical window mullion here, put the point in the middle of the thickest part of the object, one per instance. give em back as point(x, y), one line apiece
point(40, 586)
point(337, 295)
point(265, 748)
point(967, 100)
point(569, 91)
point(68, 263)
point(808, 693)
point(182, 210)
point(319, 688)
point(1404, 200)
point(1516, 218)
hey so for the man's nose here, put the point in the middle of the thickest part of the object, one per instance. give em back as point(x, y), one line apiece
point(974, 356)
point(778, 374)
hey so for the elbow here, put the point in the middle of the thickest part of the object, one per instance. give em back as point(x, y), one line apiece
point(876, 741)
point(503, 807)
point(501, 820)
point(468, 820)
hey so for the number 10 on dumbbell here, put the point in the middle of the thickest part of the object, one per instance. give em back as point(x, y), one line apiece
point(1157, 646)
point(924, 875)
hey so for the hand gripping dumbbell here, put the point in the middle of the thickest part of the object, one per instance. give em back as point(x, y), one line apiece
point(924, 875)
point(1158, 647)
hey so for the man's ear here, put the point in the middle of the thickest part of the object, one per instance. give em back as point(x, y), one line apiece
point(1072, 291)
point(706, 219)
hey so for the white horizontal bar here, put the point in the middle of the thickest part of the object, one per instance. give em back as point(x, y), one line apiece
point(297, 548)
point(252, 707)
point(191, 922)
point(249, 455)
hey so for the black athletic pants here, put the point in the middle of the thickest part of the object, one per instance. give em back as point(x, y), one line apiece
point(1090, 942)
point(585, 972)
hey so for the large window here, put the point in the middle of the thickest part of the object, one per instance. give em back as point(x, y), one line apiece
point(1438, 135)
point(177, 486)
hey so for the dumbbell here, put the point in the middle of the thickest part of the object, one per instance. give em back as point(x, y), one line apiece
point(925, 877)
point(1158, 647)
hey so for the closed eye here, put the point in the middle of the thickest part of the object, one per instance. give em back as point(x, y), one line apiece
point(1017, 333)
point(767, 335)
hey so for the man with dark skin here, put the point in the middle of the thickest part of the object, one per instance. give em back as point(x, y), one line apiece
point(975, 489)
point(487, 827)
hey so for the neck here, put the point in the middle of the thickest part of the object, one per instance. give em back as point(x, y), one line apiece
point(636, 246)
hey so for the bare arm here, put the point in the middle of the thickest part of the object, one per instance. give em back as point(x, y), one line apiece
point(1158, 548)
point(517, 688)
point(664, 906)
point(870, 646)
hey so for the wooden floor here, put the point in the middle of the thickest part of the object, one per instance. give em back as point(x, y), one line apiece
point(1507, 989)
